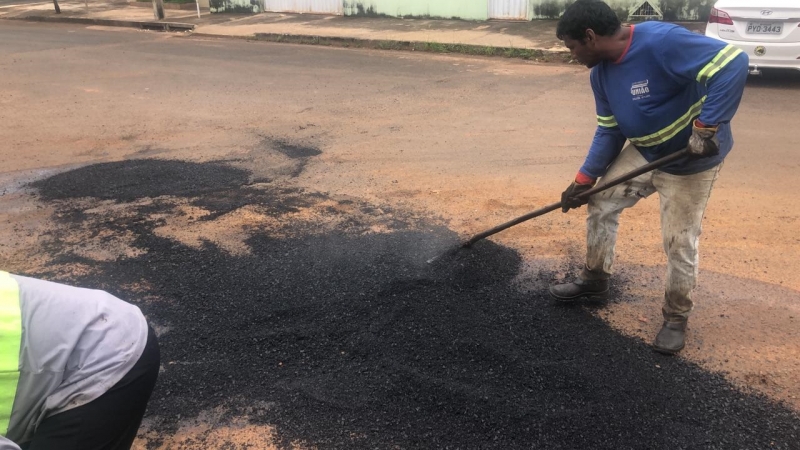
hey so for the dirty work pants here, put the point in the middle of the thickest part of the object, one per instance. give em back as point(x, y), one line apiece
point(683, 203)
point(109, 422)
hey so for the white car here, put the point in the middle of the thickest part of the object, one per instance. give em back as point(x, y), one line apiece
point(768, 30)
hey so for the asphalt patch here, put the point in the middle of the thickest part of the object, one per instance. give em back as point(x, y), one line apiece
point(143, 178)
point(347, 339)
point(295, 151)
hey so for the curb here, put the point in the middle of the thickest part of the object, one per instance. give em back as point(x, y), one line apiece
point(419, 46)
point(157, 26)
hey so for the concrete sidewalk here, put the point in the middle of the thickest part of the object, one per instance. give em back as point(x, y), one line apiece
point(533, 39)
point(112, 13)
point(539, 35)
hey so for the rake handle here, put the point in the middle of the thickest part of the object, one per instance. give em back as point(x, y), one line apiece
point(584, 195)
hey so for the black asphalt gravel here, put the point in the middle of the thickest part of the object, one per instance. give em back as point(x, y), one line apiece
point(349, 340)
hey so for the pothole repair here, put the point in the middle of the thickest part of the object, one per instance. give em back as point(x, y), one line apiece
point(355, 342)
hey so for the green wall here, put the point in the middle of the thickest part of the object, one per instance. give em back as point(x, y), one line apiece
point(462, 9)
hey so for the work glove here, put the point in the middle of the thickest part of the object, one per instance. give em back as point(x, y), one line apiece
point(704, 142)
point(581, 184)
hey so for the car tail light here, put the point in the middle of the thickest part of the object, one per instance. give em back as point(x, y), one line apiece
point(719, 16)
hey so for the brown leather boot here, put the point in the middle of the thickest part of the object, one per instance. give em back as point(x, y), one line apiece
point(580, 290)
point(672, 337)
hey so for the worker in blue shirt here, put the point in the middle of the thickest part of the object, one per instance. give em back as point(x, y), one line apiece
point(661, 88)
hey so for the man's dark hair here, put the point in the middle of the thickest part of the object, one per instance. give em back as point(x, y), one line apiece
point(587, 14)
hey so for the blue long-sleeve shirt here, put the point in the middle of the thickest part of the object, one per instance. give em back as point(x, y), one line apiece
point(667, 77)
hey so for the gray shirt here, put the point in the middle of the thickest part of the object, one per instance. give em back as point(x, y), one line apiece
point(76, 344)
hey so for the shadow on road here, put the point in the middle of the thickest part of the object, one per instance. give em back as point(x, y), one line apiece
point(776, 79)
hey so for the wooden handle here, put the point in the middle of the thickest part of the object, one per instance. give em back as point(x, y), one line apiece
point(583, 195)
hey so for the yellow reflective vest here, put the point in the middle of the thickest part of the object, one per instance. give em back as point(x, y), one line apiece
point(10, 338)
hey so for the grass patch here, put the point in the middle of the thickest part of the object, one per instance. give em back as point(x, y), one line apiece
point(484, 50)
point(435, 47)
point(389, 45)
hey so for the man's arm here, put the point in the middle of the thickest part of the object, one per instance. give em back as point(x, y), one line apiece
point(606, 145)
point(608, 138)
point(721, 68)
point(725, 88)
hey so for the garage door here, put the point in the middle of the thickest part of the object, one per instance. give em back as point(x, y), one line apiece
point(304, 6)
point(508, 9)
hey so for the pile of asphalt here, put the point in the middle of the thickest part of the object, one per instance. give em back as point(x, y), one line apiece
point(347, 339)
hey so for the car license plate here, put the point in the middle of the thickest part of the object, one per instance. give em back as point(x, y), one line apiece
point(764, 28)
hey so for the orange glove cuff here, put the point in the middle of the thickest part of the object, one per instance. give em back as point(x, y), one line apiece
point(582, 178)
point(698, 124)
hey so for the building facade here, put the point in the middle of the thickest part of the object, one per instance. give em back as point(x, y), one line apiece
point(465, 9)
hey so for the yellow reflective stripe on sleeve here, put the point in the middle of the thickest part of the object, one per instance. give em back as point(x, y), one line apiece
point(670, 131)
point(10, 338)
point(723, 58)
point(608, 122)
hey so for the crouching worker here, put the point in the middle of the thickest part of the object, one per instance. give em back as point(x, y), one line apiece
point(77, 367)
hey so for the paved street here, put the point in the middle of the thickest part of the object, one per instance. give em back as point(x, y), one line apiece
point(323, 176)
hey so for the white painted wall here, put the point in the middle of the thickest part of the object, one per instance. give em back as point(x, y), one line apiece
point(508, 9)
point(304, 6)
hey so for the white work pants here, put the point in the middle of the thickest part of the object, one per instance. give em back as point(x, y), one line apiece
point(683, 203)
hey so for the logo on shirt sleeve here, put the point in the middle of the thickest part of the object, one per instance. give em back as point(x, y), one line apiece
point(640, 90)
